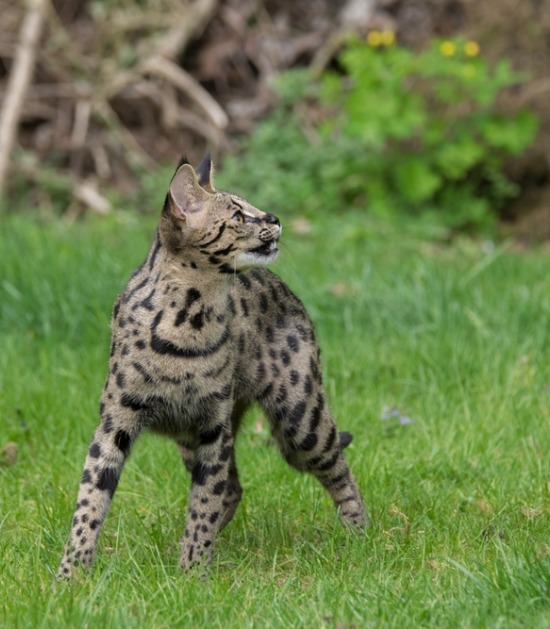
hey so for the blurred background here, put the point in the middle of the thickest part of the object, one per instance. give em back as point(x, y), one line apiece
point(435, 109)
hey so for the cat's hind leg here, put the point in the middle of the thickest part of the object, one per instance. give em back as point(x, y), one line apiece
point(309, 441)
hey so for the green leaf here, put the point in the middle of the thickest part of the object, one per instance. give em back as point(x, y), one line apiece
point(510, 134)
point(416, 179)
point(455, 159)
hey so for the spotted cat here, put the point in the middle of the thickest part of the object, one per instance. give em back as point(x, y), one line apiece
point(200, 332)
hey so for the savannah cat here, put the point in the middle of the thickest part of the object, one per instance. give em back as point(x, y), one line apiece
point(200, 332)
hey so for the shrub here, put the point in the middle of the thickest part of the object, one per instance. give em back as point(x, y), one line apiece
point(394, 131)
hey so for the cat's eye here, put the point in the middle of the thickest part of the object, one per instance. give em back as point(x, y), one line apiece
point(239, 217)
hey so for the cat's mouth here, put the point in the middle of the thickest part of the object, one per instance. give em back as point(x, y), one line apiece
point(266, 253)
point(266, 249)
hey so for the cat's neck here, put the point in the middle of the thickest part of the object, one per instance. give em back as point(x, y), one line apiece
point(180, 278)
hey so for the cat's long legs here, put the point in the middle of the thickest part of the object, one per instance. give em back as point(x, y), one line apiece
point(233, 491)
point(308, 438)
point(211, 482)
point(104, 462)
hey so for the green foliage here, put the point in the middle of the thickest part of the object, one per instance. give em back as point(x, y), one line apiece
point(396, 132)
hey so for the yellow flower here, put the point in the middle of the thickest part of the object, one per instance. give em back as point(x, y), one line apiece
point(387, 37)
point(471, 49)
point(374, 39)
point(447, 48)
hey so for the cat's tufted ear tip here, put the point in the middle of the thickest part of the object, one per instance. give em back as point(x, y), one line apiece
point(182, 162)
point(205, 173)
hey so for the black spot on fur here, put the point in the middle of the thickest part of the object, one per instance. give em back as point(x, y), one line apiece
point(292, 342)
point(201, 472)
point(274, 295)
point(86, 477)
point(242, 343)
point(207, 437)
point(212, 241)
point(155, 251)
point(180, 317)
point(192, 296)
point(264, 305)
point(316, 415)
point(281, 396)
point(267, 391)
point(147, 302)
point(197, 320)
point(122, 441)
point(223, 393)
point(224, 252)
point(108, 424)
point(297, 413)
point(245, 281)
point(225, 453)
point(134, 290)
point(225, 268)
point(132, 401)
point(94, 451)
point(330, 440)
point(219, 488)
point(308, 443)
point(108, 480)
point(324, 467)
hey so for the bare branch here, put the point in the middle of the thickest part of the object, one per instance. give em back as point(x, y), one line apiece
point(19, 81)
point(187, 84)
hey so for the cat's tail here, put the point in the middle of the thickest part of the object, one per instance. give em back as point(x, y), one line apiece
point(345, 439)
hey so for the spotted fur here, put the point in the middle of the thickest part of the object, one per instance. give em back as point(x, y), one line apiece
point(200, 332)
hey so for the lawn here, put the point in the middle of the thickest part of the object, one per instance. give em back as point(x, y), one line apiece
point(436, 358)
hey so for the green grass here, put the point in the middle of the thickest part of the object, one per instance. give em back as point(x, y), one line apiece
point(457, 338)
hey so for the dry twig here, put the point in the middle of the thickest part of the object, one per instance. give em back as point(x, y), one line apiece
point(20, 78)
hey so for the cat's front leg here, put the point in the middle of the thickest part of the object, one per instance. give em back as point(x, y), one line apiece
point(104, 462)
point(210, 483)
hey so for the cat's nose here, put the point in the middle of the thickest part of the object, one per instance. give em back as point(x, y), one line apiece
point(271, 218)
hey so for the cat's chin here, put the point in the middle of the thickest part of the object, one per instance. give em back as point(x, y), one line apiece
point(255, 258)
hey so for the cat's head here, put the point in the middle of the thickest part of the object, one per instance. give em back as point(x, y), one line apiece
point(214, 229)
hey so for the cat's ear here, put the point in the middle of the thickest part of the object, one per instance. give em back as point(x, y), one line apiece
point(187, 198)
point(205, 173)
